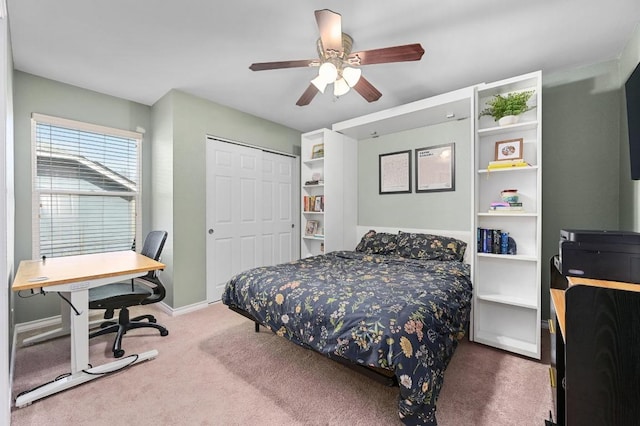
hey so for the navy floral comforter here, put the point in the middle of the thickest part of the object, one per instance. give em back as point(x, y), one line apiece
point(405, 315)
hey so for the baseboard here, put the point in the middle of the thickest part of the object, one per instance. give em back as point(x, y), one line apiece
point(36, 324)
point(182, 310)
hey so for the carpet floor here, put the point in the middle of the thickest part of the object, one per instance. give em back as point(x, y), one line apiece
point(213, 369)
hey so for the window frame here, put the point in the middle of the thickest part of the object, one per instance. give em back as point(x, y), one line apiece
point(83, 127)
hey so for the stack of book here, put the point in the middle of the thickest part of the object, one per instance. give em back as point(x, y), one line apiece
point(492, 241)
point(502, 164)
point(313, 203)
point(504, 207)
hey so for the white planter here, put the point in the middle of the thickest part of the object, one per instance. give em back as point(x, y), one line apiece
point(508, 119)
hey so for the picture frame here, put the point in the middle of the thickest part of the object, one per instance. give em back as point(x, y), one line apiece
point(395, 172)
point(435, 168)
point(317, 151)
point(311, 228)
point(510, 149)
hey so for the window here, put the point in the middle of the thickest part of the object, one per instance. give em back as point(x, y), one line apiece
point(86, 187)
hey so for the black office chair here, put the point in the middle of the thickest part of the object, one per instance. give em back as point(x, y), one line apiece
point(140, 291)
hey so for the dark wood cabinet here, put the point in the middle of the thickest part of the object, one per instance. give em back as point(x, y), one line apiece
point(595, 360)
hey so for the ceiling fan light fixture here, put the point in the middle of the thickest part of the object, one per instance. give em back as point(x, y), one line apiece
point(319, 83)
point(328, 72)
point(351, 75)
point(340, 87)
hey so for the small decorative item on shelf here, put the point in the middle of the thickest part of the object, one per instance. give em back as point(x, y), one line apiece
point(509, 195)
point(509, 203)
point(317, 151)
point(506, 109)
point(508, 150)
point(310, 229)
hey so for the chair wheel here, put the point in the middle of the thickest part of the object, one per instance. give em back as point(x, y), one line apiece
point(118, 353)
point(164, 332)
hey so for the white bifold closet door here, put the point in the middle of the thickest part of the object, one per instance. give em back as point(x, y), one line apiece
point(251, 214)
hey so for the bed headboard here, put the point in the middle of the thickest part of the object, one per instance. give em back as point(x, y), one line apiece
point(466, 236)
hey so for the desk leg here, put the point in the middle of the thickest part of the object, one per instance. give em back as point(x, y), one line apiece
point(80, 355)
point(79, 331)
point(80, 377)
point(63, 330)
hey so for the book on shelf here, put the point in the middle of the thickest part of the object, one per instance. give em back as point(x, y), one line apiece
point(502, 206)
point(493, 241)
point(313, 203)
point(503, 164)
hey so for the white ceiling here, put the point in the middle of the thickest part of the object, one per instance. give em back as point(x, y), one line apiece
point(141, 49)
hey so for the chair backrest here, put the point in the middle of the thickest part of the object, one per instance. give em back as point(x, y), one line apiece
point(153, 245)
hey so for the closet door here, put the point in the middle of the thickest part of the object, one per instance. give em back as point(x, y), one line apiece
point(249, 211)
point(234, 218)
point(279, 186)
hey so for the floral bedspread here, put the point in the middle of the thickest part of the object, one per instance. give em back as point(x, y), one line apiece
point(401, 314)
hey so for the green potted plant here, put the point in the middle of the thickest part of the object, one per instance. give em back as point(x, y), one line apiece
point(505, 109)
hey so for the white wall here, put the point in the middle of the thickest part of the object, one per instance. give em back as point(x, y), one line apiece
point(6, 215)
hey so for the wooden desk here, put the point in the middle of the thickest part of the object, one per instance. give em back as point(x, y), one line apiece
point(598, 382)
point(73, 276)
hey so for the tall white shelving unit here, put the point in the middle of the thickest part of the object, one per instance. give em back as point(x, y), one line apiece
point(507, 287)
point(338, 172)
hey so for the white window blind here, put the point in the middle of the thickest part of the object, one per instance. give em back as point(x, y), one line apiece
point(86, 187)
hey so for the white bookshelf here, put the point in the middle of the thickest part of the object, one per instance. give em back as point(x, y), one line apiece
point(338, 170)
point(507, 287)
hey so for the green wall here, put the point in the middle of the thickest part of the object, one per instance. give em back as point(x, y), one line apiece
point(580, 158)
point(585, 184)
point(182, 193)
point(432, 210)
point(173, 171)
point(40, 95)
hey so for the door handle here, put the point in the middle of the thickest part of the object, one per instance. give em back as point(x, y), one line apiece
point(211, 231)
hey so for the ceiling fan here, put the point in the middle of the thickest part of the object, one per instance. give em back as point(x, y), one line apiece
point(338, 65)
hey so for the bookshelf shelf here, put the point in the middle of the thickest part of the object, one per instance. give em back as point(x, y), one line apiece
point(333, 222)
point(507, 287)
point(510, 170)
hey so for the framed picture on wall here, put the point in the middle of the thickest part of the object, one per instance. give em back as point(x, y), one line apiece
point(435, 168)
point(395, 172)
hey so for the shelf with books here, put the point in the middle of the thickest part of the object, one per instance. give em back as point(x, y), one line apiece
point(509, 170)
point(507, 286)
point(331, 177)
point(509, 257)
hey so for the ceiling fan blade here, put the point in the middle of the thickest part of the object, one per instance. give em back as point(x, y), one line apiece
point(262, 66)
point(408, 52)
point(366, 89)
point(330, 26)
point(307, 96)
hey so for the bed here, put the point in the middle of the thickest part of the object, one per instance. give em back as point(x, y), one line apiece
point(399, 303)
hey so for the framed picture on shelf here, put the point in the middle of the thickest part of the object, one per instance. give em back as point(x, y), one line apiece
point(311, 228)
point(317, 151)
point(395, 172)
point(510, 149)
point(436, 168)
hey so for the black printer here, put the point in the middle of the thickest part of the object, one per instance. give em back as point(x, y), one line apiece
point(605, 255)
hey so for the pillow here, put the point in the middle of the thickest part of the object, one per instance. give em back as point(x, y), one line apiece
point(430, 247)
point(377, 243)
